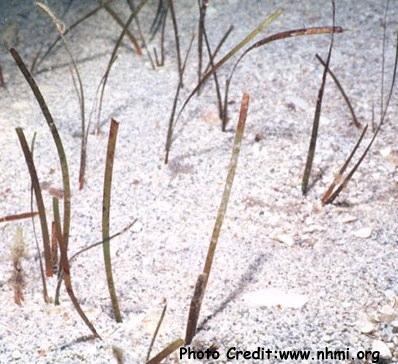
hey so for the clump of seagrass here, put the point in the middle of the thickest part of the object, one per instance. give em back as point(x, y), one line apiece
point(40, 59)
point(211, 69)
point(203, 278)
point(18, 275)
point(340, 181)
point(64, 263)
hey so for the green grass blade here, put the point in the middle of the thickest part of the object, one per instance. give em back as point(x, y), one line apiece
point(274, 37)
point(79, 90)
point(343, 93)
point(317, 116)
point(155, 334)
point(106, 207)
point(39, 200)
point(133, 40)
point(265, 23)
point(67, 30)
point(64, 238)
point(204, 277)
point(113, 57)
point(327, 195)
point(171, 348)
point(57, 140)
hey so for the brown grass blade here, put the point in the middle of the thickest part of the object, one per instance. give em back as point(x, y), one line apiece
point(2, 83)
point(170, 129)
point(344, 183)
point(159, 19)
point(142, 37)
point(219, 45)
point(343, 93)
point(54, 247)
point(21, 216)
point(129, 35)
point(339, 177)
point(106, 207)
point(101, 242)
point(37, 245)
point(113, 57)
point(67, 30)
point(155, 334)
point(39, 200)
point(266, 22)
point(194, 308)
point(66, 186)
point(202, 4)
point(68, 285)
point(216, 83)
point(57, 140)
point(274, 37)
point(203, 279)
point(177, 41)
point(78, 87)
point(317, 116)
point(171, 348)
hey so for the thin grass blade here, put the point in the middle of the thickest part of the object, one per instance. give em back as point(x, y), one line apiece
point(39, 200)
point(203, 279)
point(171, 348)
point(106, 207)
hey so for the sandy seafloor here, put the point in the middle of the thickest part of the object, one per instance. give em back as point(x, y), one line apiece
point(340, 260)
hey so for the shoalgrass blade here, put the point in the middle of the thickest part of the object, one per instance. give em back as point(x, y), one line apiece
point(133, 40)
point(177, 41)
point(194, 308)
point(332, 196)
point(317, 116)
point(66, 186)
point(101, 242)
point(78, 87)
point(66, 31)
point(64, 272)
point(54, 247)
point(57, 140)
point(383, 52)
point(58, 229)
point(68, 285)
point(170, 129)
point(113, 57)
point(216, 83)
point(41, 267)
point(343, 93)
point(2, 83)
point(21, 216)
point(326, 198)
point(265, 23)
point(274, 37)
point(159, 19)
point(171, 348)
point(155, 334)
point(106, 207)
point(219, 45)
point(202, 4)
point(203, 279)
point(142, 37)
point(39, 200)
point(74, 256)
